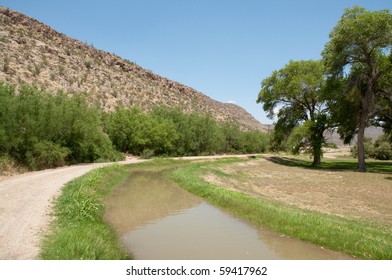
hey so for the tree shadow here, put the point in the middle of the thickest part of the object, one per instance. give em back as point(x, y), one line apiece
point(335, 165)
point(289, 161)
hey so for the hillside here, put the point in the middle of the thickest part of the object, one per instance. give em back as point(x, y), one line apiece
point(35, 54)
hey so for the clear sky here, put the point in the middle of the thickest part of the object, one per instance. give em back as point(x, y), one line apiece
point(222, 48)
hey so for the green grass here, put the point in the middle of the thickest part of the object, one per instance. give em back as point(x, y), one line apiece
point(360, 239)
point(78, 230)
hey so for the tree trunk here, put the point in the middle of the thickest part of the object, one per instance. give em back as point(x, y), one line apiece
point(316, 159)
point(363, 117)
point(317, 145)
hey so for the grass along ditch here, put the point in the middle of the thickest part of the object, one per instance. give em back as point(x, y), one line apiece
point(360, 238)
point(80, 232)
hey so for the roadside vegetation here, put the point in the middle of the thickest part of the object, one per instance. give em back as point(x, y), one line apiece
point(39, 130)
point(171, 132)
point(78, 230)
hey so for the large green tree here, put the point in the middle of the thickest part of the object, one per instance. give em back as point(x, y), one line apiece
point(294, 95)
point(356, 58)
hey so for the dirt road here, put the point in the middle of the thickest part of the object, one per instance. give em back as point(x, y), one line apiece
point(25, 206)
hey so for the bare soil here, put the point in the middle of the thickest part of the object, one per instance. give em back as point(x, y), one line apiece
point(364, 196)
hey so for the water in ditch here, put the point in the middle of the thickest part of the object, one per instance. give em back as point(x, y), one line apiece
point(156, 219)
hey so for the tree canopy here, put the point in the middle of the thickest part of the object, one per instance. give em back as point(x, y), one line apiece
point(294, 94)
point(358, 61)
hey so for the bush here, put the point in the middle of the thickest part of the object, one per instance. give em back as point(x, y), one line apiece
point(383, 151)
point(9, 166)
point(147, 154)
point(46, 154)
point(43, 130)
point(369, 148)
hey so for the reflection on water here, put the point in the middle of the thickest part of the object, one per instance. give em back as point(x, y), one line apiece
point(158, 220)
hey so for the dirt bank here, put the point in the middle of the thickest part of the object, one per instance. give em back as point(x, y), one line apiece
point(363, 196)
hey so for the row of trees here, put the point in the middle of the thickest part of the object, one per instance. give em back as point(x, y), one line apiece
point(42, 130)
point(349, 89)
point(170, 132)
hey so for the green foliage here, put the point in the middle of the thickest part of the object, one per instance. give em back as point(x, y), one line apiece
point(42, 130)
point(298, 138)
point(360, 70)
point(295, 94)
point(369, 148)
point(79, 230)
point(46, 154)
point(359, 32)
point(254, 142)
point(171, 132)
point(133, 131)
point(381, 149)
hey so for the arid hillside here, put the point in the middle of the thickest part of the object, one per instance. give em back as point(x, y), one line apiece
point(35, 54)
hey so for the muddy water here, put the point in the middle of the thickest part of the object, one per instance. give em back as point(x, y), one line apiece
point(158, 220)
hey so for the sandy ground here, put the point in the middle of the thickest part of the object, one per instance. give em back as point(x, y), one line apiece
point(363, 196)
point(25, 207)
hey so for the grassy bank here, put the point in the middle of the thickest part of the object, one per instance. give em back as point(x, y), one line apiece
point(360, 239)
point(78, 230)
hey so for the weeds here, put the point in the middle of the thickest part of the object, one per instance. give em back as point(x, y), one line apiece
point(79, 231)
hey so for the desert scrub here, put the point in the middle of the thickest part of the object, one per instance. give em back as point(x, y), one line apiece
point(357, 238)
point(78, 230)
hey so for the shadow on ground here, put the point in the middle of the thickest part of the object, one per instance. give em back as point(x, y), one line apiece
point(337, 165)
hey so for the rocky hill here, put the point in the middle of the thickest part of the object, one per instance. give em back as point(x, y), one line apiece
point(33, 53)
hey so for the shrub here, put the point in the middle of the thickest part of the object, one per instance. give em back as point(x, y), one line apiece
point(46, 154)
point(383, 151)
point(9, 166)
point(43, 130)
point(369, 148)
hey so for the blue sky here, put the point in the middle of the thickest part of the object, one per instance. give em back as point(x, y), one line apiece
point(223, 49)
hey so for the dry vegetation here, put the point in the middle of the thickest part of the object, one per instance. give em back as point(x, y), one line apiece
point(364, 196)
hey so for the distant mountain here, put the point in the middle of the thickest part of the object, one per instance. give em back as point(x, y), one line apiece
point(35, 54)
point(372, 132)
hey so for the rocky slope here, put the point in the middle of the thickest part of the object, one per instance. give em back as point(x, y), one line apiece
point(33, 53)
